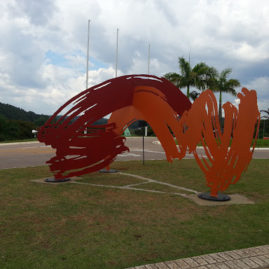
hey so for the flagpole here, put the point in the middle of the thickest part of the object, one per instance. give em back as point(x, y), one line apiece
point(107, 169)
point(149, 59)
point(87, 61)
point(145, 133)
point(117, 53)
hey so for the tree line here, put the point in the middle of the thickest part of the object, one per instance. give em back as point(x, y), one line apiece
point(16, 123)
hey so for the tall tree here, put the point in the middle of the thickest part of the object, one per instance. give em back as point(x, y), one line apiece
point(200, 76)
point(224, 85)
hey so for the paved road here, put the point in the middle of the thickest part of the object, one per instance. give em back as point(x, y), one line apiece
point(34, 153)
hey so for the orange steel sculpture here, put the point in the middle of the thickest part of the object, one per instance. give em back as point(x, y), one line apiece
point(226, 159)
point(168, 112)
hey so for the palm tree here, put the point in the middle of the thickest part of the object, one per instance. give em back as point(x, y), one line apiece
point(200, 76)
point(185, 79)
point(222, 84)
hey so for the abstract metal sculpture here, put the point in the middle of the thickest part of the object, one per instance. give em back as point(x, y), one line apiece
point(82, 147)
point(228, 152)
point(79, 152)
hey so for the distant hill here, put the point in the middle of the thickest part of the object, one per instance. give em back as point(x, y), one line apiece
point(10, 112)
point(16, 123)
point(101, 121)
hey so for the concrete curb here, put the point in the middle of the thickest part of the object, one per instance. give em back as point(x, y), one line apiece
point(19, 143)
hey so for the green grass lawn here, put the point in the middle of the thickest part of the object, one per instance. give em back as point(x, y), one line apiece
point(81, 226)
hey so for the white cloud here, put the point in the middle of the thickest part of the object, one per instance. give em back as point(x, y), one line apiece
point(251, 53)
point(261, 85)
point(223, 33)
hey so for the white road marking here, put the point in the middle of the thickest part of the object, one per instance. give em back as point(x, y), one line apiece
point(128, 155)
point(145, 150)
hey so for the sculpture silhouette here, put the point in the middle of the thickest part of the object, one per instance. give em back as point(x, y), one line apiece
point(82, 147)
point(228, 153)
point(79, 152)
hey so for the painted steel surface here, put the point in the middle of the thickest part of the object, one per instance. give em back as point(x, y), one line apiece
point(228, 151)
point(82, 147)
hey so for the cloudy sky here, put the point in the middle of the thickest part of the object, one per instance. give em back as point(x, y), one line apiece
point(44, 43)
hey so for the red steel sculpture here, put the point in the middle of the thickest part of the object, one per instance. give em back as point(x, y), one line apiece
point(82, 147)
point(79, 152)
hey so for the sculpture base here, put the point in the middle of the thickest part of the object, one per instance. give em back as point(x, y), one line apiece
point(54, 180)
point(108, 171)
point(220, 198)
